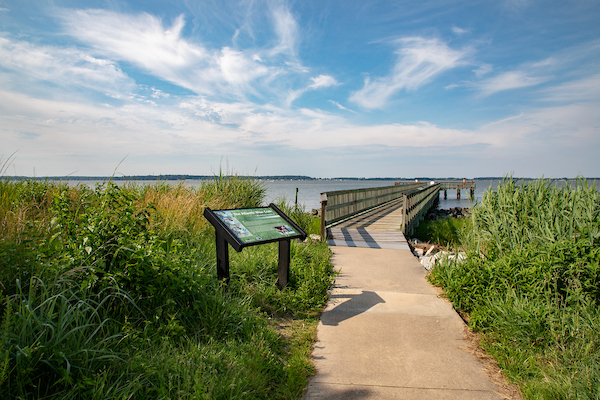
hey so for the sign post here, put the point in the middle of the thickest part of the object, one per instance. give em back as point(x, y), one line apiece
point(250, 227)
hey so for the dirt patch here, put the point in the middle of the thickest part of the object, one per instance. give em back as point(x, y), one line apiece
point(508, 390)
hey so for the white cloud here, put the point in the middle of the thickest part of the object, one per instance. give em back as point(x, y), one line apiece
point(321, 81)
point(237, 69)
point(341, 107)
point(142, 40)
point(483, 69)
point(559, 127)
point(581, 90)
point(286, 29)
point(163, 52)
point(459, 31)
point(507, 81)
point(419, 61)
point(199, 128)
point(159, 94)
point(66, 67)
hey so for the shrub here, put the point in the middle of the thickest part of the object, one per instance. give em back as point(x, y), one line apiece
point(531, 285)
point(112, 292)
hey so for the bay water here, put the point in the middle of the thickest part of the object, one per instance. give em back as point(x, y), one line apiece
point(309, 190)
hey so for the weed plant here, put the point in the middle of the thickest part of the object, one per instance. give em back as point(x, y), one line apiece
point(443, 231)
point(112, 292)
point(531, 285)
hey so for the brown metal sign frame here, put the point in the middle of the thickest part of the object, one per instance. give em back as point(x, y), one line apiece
point(224, 235)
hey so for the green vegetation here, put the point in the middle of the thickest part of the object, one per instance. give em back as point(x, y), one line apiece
point(442, 231)
point(111, 292)
point(531, 285)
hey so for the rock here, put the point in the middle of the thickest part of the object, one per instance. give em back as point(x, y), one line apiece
point(430, 251)
point(429, 262)
point(456, 212)
point(418, 252)
point(312, 238)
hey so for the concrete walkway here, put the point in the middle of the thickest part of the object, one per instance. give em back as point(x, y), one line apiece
point(386, 334)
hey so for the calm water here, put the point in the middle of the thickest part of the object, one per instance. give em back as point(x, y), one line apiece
point(309, 190)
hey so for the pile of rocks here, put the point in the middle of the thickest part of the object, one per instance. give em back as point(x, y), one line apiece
point(430, 254)
point(456, 212)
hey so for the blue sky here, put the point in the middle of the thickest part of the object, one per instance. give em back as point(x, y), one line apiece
point(320, 88)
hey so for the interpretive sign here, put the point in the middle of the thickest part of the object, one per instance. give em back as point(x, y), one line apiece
point(257, 225)
point(253, 226)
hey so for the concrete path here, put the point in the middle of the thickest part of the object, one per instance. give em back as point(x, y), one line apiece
point(386, 334)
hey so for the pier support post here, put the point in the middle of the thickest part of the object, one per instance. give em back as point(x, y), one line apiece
point(323, 222)
point(472, 194)
point(404, 227)
point(445, 194)
point(458, 194)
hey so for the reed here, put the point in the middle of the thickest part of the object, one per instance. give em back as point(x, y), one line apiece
point(111, 292)
point(531, 285)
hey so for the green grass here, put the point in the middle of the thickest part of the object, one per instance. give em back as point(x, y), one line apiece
point(444, 231)
point(111, 292)
point(531, 285)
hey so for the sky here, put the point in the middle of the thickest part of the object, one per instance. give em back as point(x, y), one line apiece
point(323, 88)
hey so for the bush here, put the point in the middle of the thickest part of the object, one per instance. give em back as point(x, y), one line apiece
point(112, 292)
point(531, 285)
point(443, 231)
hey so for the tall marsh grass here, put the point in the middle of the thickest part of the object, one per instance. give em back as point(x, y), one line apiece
point(531, 285)
point(111, 292)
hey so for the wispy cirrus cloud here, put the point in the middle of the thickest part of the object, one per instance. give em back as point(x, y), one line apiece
point(67, 67)
point(318, 82)
point(419, 61)
point(341, 107)
point(459, 31)
point(580, 90)
point(286, 29)
point(507, 81)
point(143, 41)
point(163, 52)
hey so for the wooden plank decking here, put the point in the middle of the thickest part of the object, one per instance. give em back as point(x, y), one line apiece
point(377, 228)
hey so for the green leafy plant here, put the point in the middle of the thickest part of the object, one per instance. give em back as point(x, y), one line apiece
point(531, 283)
point(111, 292)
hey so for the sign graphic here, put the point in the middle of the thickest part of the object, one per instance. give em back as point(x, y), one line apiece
point(252, 225)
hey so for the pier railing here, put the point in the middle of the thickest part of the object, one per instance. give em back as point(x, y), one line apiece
point(458, 185)
point(343, 204)
point(415, 206)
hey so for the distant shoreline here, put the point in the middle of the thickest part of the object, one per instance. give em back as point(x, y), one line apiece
point(264, 177)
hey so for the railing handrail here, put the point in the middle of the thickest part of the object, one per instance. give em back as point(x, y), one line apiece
point(340, 204)
point(457, 185)
point(416, 204)
point(417, 199)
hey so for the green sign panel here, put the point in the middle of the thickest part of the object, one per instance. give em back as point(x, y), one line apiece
point(252, 225)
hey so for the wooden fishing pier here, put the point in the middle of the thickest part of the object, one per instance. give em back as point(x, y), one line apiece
point(361, 213)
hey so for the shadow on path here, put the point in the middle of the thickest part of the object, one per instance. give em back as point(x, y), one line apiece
point(357, 304)
point(330, 393)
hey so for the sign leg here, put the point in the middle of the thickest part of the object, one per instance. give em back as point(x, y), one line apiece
point(222, 258)
point(283, 271)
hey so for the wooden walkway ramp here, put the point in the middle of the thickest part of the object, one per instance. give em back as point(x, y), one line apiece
point(377, 228)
